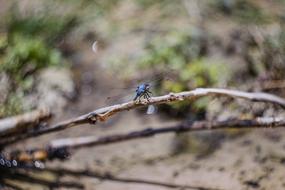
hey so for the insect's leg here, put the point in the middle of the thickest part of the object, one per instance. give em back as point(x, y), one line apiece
point(149, 91)
point(136, 98)
point(148, 94)
point(140, 97)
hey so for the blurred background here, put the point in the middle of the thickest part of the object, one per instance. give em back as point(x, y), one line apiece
point(46, 59)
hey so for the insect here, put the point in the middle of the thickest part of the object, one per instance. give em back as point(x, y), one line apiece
point(143, 91)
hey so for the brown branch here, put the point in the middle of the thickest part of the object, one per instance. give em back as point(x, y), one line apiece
point(20, 123)
point(10, 185)
point(103, 114)
point(149, 132)
point(110, 177)
point(24, 177)
point(60, 149)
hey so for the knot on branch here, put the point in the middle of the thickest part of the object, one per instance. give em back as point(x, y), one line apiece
point(61, 153)
point(172, 96)
point(92, 118)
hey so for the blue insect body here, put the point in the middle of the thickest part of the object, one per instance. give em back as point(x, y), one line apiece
point(143, 91)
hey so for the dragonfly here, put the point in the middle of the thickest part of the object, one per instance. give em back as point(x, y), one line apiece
point(142, 90)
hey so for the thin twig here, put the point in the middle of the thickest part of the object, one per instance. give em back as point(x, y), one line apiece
point(149, 132)
point(103, 114)
point(60, 149)
point(110, 177)
point(10, 185)
point(21, 176)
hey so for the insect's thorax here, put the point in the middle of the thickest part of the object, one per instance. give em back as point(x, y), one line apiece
point(141, 88)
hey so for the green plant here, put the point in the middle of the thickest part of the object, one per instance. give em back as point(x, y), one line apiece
point(29, 46)
point(46, 25)
point(24, 56)
point(12, 106)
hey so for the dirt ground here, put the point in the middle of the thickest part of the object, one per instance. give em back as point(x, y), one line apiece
point(252, 160)
point(247, 160)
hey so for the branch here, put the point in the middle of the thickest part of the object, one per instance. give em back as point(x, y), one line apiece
point(149, 132)
point(60, 149)
point(10, 185)
point(103, 114)
point(23, 177)
point(110, 177)
point(22, 122)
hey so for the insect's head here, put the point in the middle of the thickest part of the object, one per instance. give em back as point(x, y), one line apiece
point(147, 86)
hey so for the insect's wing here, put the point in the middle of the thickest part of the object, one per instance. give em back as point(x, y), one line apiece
point(151, 109)
point(153, 79)
point(160, 78)
point(119, 97)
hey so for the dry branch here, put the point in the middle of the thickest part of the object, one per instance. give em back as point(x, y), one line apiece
point(108, 176)
point(103, 114)
point(57, 148)
point(60, 149)
point(196, 126)
point(24, 177)
point(23, 122)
